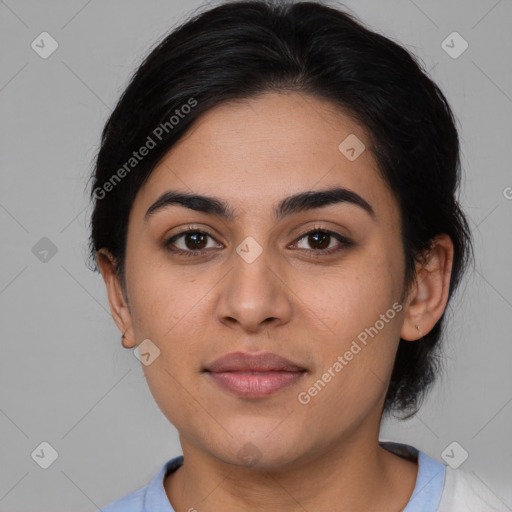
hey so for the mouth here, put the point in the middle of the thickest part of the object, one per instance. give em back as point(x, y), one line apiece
point(254, 376)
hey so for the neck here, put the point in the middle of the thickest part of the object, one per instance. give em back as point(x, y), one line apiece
point(355, 476)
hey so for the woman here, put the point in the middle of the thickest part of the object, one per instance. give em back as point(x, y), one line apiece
point(276, 222)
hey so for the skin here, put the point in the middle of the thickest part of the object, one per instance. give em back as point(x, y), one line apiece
point(252, 154)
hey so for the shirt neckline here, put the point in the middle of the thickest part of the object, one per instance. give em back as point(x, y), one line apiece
point(426, 495)
point(429, 486)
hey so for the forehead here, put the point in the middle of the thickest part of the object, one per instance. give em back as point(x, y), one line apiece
point(254, 152)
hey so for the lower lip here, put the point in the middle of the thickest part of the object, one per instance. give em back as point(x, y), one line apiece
point(255, 384)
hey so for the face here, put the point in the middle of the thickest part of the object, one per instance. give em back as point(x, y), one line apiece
point(317, 283)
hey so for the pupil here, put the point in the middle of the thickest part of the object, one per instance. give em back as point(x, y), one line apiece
point(323, 237)
point(196, 237)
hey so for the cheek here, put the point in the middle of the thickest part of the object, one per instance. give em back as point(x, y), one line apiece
point(360, 305)
point(355, 364)
point(354, 295)
point(160, 295)
point(169, 308)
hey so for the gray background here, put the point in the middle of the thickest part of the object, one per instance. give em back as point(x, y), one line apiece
point(64, 377)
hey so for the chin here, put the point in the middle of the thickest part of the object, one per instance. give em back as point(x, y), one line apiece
point(263, 446)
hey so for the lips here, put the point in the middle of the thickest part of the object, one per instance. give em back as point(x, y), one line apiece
point(254, 375)
point(243, 362)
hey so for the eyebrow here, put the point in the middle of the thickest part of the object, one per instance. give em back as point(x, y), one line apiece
point(293, 204)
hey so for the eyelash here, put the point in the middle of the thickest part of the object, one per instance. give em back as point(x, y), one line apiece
point(344, 242)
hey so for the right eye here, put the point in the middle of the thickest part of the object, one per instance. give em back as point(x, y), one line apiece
point(190, 242)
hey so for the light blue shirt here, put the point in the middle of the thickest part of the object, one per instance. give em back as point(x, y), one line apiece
point(425, 498)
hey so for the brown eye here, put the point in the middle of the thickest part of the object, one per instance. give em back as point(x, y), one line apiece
point(322, 241)
point(195, 240)
point(319, 240)
point(191, 242)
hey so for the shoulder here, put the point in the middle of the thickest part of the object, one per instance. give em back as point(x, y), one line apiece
point(150, 497)
point(464, 491)
point(443, 489)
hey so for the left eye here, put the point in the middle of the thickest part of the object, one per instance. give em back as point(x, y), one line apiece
point(321, 241)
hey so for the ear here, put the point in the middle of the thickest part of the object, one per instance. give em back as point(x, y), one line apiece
point(428, 294)
point(118, 302)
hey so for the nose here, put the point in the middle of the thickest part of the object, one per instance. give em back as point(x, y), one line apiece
point(254, 295)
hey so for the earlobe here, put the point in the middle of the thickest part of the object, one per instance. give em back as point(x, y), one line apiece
point(117, 301)
point(429, 295)
point(126, 341)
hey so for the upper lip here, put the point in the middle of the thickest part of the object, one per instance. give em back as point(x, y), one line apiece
point(242, 361)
